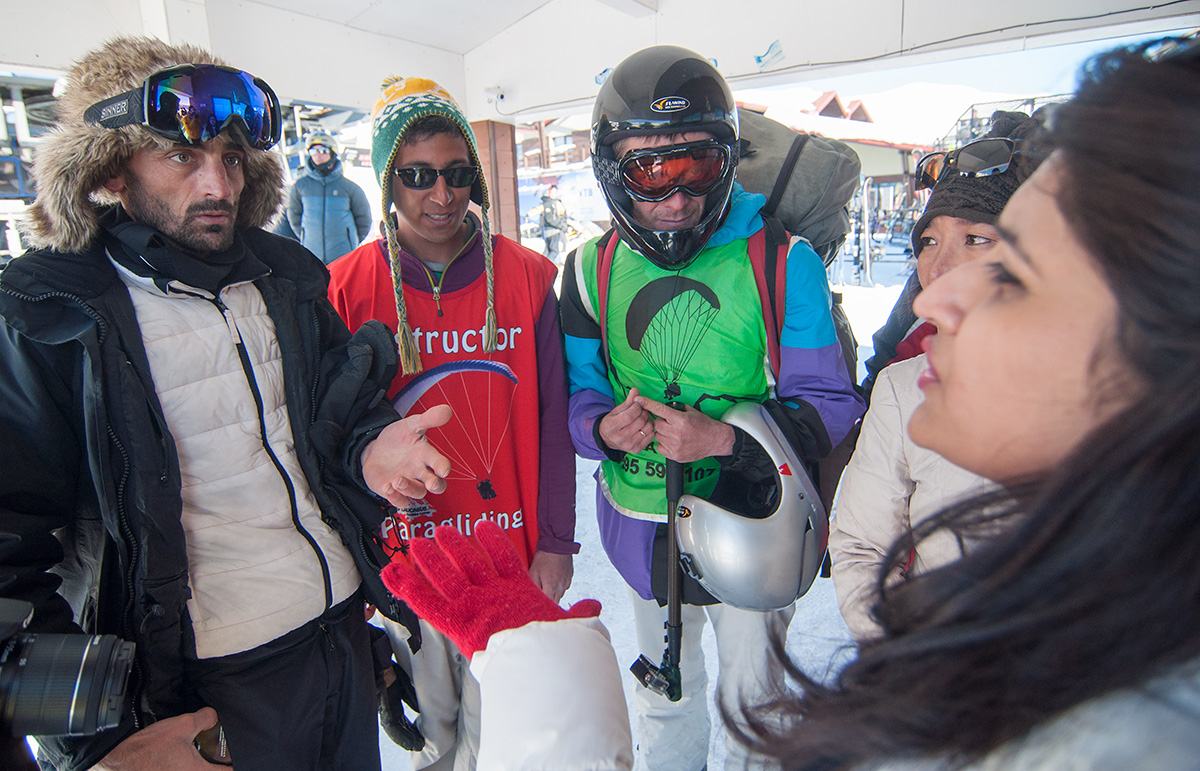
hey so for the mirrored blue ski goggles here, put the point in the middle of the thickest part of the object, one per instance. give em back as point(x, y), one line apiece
point(193, 103)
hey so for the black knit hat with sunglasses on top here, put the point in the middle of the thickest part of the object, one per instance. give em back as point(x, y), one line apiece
point(980, 198)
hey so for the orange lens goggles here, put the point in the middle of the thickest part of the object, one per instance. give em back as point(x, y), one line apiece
point(655, 174)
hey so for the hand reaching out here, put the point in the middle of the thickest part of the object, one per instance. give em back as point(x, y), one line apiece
point(687, 435)
point(401, 465)
point(628, 427)
point(163, 746)
point(469, 589)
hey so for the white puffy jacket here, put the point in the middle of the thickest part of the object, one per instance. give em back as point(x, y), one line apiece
point(237, 507)
point(551, 700)
point(889, 486)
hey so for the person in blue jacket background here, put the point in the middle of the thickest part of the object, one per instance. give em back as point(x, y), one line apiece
point(329, 213)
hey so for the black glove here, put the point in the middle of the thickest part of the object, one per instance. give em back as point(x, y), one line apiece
point(395, 691)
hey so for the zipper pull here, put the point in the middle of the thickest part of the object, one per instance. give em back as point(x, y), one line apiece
point(437, 297)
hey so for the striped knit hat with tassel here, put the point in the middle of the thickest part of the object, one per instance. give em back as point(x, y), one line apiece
point(403, 101)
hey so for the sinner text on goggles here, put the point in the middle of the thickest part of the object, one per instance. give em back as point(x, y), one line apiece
point(193, 103)
point(656, 173)
point(974, 159)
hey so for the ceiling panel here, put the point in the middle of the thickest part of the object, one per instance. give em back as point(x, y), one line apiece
point(339, 11)
point(456, 26)
point(548, 56)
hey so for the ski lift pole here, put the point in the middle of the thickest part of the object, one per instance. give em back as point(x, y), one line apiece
point(868, 240)
point(665, 679)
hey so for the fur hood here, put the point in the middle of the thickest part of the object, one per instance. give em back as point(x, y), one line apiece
point(76, 159)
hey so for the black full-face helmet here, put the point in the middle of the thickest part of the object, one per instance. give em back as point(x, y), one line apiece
point(664, 90)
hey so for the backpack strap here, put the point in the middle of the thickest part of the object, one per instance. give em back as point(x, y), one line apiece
point(605, 249)
point(768, 257)
point(785, 173)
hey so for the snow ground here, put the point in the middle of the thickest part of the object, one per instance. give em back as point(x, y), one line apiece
point(817, 638)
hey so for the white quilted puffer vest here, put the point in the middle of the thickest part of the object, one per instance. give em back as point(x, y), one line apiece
point(253, 574)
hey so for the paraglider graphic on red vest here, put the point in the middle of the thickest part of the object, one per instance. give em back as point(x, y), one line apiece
point(481, 393)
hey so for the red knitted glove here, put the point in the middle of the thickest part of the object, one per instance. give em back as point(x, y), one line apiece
point(469, 593)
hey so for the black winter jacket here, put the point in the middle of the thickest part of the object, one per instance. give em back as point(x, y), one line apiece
point(90, 501)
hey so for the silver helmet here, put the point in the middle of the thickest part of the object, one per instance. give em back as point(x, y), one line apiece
point(759, 561)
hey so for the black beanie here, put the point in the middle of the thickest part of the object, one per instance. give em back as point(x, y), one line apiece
point(980, 199)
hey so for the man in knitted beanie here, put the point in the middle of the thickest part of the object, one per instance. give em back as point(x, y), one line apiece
point(192, 446)
point(476, 323)
point(958, 223)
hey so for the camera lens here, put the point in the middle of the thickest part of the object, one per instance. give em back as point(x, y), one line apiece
point(56, 684)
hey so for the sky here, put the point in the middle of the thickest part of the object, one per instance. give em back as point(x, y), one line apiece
point(921, 103)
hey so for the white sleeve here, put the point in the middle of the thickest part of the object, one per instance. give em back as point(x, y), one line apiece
point(871, 509)
point(551, 698)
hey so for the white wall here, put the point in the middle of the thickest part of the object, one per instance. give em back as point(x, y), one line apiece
point(547, 58)
point(50, 34)
point(305, 58)
point(548, 61)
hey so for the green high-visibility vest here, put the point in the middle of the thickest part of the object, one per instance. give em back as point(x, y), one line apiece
point(678, 336)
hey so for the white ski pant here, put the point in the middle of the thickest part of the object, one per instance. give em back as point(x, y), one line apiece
point(674, 736)
point(448, 697)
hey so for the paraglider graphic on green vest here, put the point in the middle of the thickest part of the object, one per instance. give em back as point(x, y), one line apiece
point(666, 322)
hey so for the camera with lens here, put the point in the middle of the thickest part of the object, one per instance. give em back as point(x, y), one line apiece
point(58, 684)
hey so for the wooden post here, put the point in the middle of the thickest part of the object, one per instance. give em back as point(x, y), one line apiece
point(498, 155)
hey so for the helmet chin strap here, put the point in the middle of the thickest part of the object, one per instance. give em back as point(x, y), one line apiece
point(672, 249)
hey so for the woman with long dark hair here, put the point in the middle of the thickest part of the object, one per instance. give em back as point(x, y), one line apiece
point(1066, 367)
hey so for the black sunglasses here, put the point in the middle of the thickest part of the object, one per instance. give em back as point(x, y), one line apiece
point(422, 178)
point(980, 158)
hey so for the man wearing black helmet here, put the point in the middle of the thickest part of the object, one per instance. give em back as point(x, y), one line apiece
point(684, 322)
point(194, 456)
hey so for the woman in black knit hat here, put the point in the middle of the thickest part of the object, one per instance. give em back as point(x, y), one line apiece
point(891, 485)
point(956, 227)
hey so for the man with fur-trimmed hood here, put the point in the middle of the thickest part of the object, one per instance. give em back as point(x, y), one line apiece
point(196, 456)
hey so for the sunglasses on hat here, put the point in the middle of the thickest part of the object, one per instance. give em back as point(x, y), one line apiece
point(423, 178)
point(980, 158)
point(193, 103)
point(1181, 50)
point(656, 173)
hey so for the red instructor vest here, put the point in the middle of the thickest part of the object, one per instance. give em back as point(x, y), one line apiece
point(493, 439)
